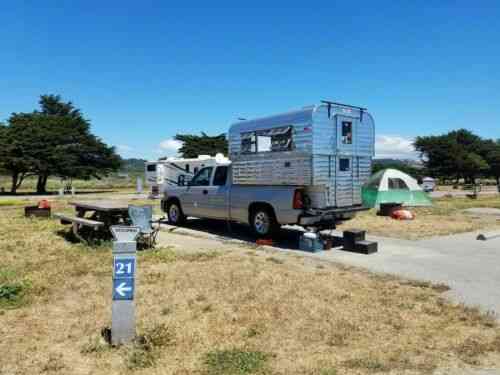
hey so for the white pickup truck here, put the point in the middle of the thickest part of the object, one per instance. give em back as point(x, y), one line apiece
point(211, 194)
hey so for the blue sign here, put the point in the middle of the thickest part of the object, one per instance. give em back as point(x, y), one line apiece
point(123, 288)
point(124, 266)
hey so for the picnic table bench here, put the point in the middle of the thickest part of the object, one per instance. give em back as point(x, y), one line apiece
point(79, 222)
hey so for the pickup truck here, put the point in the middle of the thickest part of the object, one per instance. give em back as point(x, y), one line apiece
point(211, 194)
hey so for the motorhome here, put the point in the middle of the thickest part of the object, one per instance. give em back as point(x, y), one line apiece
point(175, 171)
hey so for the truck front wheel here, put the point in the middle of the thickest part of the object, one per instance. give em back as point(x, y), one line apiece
point(175, 214)
point(263, 222)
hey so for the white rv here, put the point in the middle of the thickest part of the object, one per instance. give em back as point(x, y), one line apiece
point(176, 171)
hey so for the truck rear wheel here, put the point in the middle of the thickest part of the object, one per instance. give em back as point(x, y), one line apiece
point(175, 214)
point(263, 222)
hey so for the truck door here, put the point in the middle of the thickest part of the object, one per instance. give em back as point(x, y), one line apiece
point(195, 200)
point(344, 181)
point(218, 194)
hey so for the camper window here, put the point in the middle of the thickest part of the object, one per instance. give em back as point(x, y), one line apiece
point(151, 167)
point(187, 168)
point(344, 165)
point(347, 132)
point(248, 143)
point(397, 184)
point(276, 139)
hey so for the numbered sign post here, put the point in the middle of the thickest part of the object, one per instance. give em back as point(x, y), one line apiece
point(124, 267)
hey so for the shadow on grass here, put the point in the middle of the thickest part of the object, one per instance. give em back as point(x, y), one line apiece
point(95, 242)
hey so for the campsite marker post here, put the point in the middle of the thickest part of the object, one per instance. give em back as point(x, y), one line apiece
point(124, 267)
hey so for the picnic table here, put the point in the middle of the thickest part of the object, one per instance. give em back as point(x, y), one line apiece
point(93, 218)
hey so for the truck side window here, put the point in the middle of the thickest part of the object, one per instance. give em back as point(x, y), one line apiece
point(151, 167)
point(203, 177)
point(347, 132)
point(220, 176)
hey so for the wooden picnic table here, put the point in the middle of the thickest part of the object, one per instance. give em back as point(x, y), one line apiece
point(107, 212)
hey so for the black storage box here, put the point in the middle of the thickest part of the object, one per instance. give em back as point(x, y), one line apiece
point(36, 211)
point(366, 247)
point(351, 237)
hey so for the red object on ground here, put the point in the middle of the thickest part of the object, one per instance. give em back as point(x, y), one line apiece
point(44, 203)
point(403, 215)
point(264, 242)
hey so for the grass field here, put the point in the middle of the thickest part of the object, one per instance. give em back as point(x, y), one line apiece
point(54, 184)
point(444, 217)
point(239, 312)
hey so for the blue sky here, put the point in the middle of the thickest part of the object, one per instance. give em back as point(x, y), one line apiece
point(144, 71)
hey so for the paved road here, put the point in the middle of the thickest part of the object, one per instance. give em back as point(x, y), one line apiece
point(470, 267)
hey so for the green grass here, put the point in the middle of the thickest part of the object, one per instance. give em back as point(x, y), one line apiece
point(12, 202)
point(234, 362)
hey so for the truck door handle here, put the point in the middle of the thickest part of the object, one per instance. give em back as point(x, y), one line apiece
point(205, 192)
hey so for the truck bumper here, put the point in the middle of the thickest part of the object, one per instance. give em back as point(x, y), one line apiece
point(328, 216)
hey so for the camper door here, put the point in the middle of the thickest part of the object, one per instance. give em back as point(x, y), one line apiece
point(344, 181)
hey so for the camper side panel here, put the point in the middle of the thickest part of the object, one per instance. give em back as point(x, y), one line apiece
point(257, 165)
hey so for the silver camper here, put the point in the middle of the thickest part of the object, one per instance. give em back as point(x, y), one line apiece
point(326, 148)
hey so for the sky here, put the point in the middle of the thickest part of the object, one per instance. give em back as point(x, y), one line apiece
point(142, 72)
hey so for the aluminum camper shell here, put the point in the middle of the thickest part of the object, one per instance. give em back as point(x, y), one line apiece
point(326, 148)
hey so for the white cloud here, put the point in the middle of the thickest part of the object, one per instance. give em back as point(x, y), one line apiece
point(396, 147)
point(170, 146)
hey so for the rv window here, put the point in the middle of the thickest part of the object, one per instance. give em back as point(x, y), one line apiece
point(220, 176)
point(151, 168)
point(344, 165)
point(248, 143)
point(195, 170)
point(187, 168)
point(202, 178)
point(282, 139)
point(397, 184)
point(263, 143)
point(347, 132)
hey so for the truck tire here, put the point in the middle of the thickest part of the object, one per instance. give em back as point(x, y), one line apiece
point(263, 222)
point(175, 214)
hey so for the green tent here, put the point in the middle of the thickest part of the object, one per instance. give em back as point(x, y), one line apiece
point(393, 186)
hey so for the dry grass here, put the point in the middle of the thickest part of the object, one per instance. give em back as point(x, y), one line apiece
point(225, 313)
point(444, 217)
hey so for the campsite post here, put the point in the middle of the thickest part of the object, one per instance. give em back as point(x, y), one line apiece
point(124, 268)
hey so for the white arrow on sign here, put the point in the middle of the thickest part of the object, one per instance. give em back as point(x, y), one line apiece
point(122, 288)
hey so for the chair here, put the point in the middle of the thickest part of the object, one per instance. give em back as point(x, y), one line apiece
point(142, 217)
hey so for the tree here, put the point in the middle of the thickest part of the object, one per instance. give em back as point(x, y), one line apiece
point(457, 154)
point(492, 157)
point(55, 141)
point(194, 145)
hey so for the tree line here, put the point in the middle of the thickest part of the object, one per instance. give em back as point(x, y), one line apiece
point(53, 141)
point(460, 154)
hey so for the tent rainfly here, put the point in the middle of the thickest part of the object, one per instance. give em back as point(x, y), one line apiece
point(393, 186)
